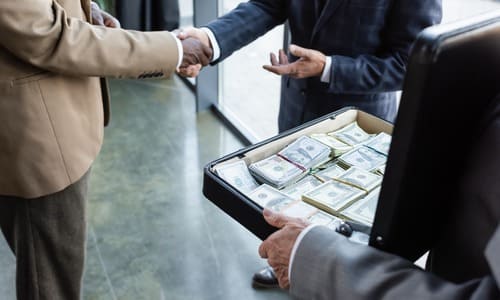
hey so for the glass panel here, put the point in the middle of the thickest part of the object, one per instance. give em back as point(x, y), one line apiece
point(459, 9)
point(186, 10)
point(249, 94)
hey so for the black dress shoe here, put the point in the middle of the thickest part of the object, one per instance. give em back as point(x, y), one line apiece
point(265, 278)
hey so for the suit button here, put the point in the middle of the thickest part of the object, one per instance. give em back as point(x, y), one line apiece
point(303, 92)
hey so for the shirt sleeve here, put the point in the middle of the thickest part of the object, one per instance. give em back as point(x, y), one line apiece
point(213, 42)
point(180, 49)
point(325, 76)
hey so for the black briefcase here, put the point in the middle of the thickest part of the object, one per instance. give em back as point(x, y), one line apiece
point(242, 208)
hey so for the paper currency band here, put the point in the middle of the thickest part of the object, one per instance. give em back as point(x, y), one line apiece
point(292, 162)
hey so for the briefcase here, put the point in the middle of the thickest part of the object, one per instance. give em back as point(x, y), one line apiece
point(239, 205)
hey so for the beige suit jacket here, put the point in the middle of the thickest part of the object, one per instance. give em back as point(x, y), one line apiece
point(52, 101)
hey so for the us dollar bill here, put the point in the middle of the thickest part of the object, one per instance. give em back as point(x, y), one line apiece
point(364, 210)
point(306, 152)
point(360, 178)
point(267, 196)
point(299, 188)
point(351, 134)
point(364, 158)
point(338, 147)
point(333, 196)
point(331, 173)
point(237, 175)
point(276, 171)
point(299, 209)
point(321, 218)
point(380, 143)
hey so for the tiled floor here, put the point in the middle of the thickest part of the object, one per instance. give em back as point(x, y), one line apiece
point(152, 234)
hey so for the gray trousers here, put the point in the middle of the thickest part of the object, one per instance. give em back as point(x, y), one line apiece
point(48, 237)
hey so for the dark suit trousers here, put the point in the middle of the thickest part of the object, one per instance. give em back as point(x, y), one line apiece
point(48, 237)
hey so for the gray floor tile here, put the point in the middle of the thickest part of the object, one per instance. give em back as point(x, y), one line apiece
point(158, 237)
point(8, 271)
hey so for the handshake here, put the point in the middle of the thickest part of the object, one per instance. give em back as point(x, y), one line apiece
point(198, 53)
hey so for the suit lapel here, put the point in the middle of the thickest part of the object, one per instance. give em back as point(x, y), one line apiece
point(327, 13)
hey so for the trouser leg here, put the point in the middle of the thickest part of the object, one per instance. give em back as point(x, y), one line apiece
point(48, 237)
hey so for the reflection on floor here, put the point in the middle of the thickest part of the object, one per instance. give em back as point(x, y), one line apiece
point(152, 235)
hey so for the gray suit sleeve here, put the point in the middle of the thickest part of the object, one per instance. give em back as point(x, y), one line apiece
point(328, 266)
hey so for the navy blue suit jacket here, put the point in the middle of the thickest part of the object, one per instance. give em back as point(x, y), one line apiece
point(368, 40)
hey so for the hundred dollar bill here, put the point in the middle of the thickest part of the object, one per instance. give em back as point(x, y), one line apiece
point(380, 143)
point(267, 196)
point(363, 211)
point(321, 218)
point(300, 209)
point(364, 158)
point(299, 188)
point(237, 175)
point(332, 172)
point(279, 206)
point(306, 152)
point(360, 178)
point(338, 147)
point(351, 134)
point(276, 171)
point(333, 196)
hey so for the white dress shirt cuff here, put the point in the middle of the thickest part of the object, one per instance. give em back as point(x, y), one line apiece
point(213, 42)
point(180, 50)
point(296, 246)
point(325, 77)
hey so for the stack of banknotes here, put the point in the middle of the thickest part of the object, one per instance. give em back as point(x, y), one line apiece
point(325, 177)
point(291, 163)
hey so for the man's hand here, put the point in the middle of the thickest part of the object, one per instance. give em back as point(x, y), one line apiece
point(196, 33)
point(310, 63)
point(192, 33)
point(196, 56)
point(100, 17)
point(277, 248)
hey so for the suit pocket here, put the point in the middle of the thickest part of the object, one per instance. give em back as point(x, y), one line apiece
point(26, 132)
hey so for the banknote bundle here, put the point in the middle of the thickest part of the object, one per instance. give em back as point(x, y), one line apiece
point(380, 143)
point(321, 218)
point(360, 178)
point(237, 175)
point(332, 172)
point(338, 147)
point(291, 163)
point(333, 196)
point(267, 196)
point(363, 211)
point(276, 171)
point(301, 187)
point(351, 134)
point(364, 158)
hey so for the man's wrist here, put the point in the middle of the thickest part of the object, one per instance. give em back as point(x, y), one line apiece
point(213, 43)
point(180, 50)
